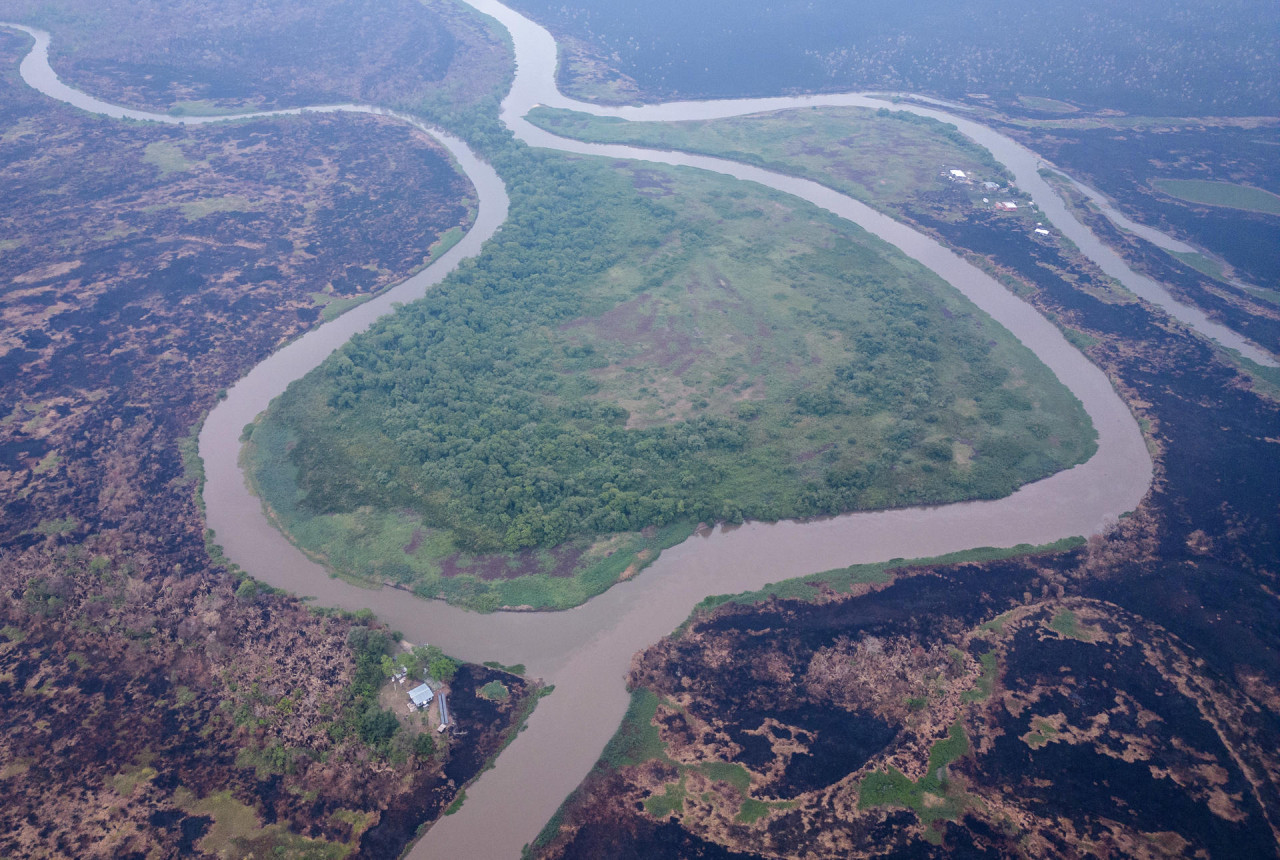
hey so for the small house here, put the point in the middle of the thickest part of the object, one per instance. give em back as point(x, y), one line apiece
point(1042, 231)
point(421, 696)
point(1008, 206)
point(958, 174)
point(991, 186)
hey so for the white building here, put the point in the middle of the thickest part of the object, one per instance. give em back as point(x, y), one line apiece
point(959, 174)
point(421, 696)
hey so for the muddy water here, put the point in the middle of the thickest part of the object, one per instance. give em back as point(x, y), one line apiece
point(585, 652)
point(535, 84)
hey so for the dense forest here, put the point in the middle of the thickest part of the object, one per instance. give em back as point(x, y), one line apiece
point(1146, 57)
point(643, 347)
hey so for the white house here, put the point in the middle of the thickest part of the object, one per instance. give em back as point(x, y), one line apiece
point(421, 696)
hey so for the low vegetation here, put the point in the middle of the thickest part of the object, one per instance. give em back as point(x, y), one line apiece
point(637, 739)
point(932, 797)
point(883, 157)
point(1227, 194)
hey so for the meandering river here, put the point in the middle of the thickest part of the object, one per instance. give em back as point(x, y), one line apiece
point(586, 651)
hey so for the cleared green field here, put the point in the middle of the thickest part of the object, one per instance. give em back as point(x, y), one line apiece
point(1202, 264)
point(1226, 194)
point(639, 349)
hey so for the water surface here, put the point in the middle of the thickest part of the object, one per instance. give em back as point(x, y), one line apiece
point(586, 651)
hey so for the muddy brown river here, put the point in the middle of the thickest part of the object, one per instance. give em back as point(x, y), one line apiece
point(585, 651)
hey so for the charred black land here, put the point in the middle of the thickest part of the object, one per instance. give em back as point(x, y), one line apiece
point(1122, 694)
point(1080, 53)
point(148, 695)
point(1128, 164)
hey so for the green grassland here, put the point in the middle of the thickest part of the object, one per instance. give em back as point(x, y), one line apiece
point(883, 158)
point(640, 349)
point(1226, 194)
point(933, 797)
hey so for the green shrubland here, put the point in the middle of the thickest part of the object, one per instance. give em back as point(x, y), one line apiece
point(639, 349)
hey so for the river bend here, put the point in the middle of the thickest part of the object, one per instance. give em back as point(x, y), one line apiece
point(586, 651)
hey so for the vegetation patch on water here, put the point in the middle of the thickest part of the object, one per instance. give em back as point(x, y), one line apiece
point(1229, 194)
point(641, 349)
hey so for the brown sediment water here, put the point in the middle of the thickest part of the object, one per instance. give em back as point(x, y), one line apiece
point(586, 651)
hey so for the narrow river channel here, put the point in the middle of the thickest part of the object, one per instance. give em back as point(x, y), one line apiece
point(586, 651)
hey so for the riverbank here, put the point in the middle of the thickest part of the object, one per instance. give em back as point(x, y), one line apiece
point(585, 651)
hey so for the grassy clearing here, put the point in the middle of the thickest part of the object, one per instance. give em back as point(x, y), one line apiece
point(752, 810)
point(996, 625)
point(237, 831)
point(734, 774)
point(495, 691)
point(48, 464)
point(1202, 264)
point(1226, 194)
point(986, 681)
point(129, 779)
point(932, 797)
point(168, 157)
point(1066, 623)
point(197, 209)
point(1042, 732)
point(670, 801)
point(1267, 295)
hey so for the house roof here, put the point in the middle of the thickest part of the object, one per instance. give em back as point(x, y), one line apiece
point(421, 695)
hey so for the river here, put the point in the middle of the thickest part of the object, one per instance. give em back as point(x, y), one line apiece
point(586, 651)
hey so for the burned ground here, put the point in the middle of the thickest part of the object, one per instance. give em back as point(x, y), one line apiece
point(1119, 698)
point(150, 699)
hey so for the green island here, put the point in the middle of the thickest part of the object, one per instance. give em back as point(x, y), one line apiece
point(1226, 194)
point(884, 158)
point(642, 349)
